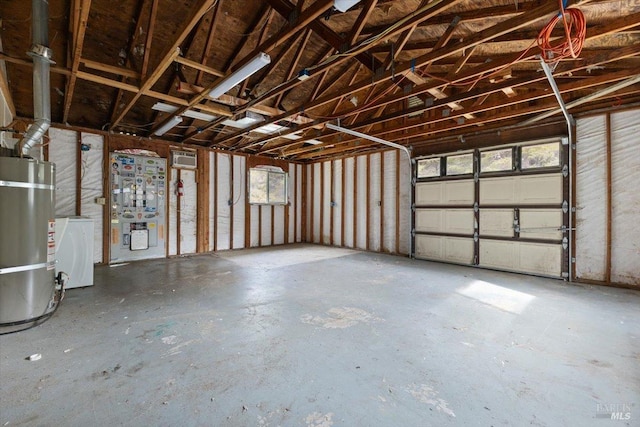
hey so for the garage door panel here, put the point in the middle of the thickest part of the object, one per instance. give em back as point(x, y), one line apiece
point(458, 221)
point(458, 192)
point(497, 191)
point(541, 224)
point(429, 220)
point(429, 247)
point(508, 220)
point(540, 189)
point(497, 254)
point(444, 248)
point(536, 258)
point(428, 193)
point(540, 258)
point(496, 222)
point(458, 249)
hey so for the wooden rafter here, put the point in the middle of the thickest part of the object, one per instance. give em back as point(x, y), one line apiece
point(132, 40)
point(4, 85)
point(287, 32)
point(418, 16)
point(82, 6)
point(598, 59)
point(293, 65)
point(167, 58)
point(358, 26)
point(215, 18)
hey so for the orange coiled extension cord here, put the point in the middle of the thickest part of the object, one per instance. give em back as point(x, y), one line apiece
point(575, 29)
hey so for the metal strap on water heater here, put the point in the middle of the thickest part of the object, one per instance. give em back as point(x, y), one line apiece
point(30, 267)
point(18, 184)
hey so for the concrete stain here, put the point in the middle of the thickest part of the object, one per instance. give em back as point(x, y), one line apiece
point(317, 419)
point(340, 318)
point(425, 394)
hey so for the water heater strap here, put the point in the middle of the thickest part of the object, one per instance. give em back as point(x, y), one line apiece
point(20, 268)
point(26, 185)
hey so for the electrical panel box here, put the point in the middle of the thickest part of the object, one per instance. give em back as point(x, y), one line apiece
point(138, 204)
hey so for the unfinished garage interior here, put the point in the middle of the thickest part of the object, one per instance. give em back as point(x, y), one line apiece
point(319, 212)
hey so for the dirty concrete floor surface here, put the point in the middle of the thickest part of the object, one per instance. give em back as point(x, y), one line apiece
point(307, 335)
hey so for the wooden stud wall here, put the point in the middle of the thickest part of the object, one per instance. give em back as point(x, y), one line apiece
point(367, 189)
point(208, 188)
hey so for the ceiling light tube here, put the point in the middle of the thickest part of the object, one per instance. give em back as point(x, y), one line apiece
point(344, 5)
point(173, 121)
point(240, 75)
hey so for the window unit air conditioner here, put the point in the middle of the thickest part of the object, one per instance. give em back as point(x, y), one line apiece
point(184, 159)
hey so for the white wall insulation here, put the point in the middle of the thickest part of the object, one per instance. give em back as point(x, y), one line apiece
point(298, 223)
point(336, 210)
point(374, 203)
point(405, 203)
point(255, 226)
point(389, 208)
point(173, 210)
point(349, 202)
point(212, 200)
point(625, 169)
point(188, 212)
point(278, 225)
point(360, 181)
point(361, 202)
point(308, 194)
point(91, 184)
point(239, 186)
point(292, 202)
point(316, 202)
point(326, 205)
point(62, 151)
point(265, 232)
point(591, 194)
point(224, 182)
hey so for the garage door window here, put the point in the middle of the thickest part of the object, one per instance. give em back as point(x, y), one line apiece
point(429, 168)
point(541, 155)
point(460, 165)
point(496, 160)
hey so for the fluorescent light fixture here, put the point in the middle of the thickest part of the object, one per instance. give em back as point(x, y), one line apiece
point(174, 121)
point(199, 116)
point(313, 141)
point(270, 128)
point(244, 122)
point(166, 108)
point(344, 5)
point(240, 75)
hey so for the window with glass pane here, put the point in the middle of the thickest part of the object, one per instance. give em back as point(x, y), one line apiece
point(541, 155)
point(428, 168)
point(496, 160)
point(460, 165)
point(267, 187)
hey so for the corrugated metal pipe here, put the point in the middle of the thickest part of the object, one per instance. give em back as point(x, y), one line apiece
point(41, 54)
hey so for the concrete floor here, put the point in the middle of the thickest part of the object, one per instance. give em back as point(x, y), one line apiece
point(314, 336)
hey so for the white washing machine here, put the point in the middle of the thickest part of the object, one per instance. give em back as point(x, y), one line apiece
point(74, 250)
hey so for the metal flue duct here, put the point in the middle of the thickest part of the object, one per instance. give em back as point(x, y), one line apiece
point(41, 54)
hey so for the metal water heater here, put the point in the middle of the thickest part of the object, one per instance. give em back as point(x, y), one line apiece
point(27, 242)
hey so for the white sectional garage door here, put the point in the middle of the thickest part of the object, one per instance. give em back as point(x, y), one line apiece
point(511, 216)
point(444, 229)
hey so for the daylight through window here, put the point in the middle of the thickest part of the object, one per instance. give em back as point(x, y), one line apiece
point(267, 186)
